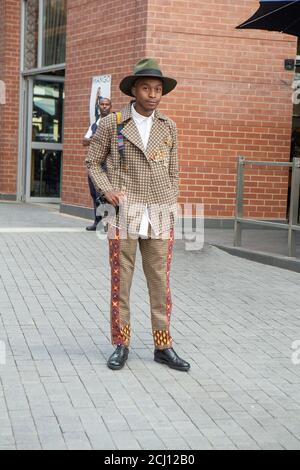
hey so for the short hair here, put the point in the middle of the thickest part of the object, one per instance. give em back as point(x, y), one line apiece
point(103, 98)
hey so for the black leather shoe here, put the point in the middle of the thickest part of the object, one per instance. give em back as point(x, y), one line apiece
point(118, 358)
point(92, 228)
point(171, 359)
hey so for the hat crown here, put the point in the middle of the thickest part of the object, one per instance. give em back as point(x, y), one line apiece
point(146, 64)
point(147, 68)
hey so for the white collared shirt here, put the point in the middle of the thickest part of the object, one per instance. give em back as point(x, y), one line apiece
point(144, 125)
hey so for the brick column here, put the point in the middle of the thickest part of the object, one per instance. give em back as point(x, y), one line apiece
point(9, 112)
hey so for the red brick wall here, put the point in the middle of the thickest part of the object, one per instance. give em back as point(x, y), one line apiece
point(2, 41)
point(9, 113)
point(233, 98)
point(233, 95)
point(103, 37)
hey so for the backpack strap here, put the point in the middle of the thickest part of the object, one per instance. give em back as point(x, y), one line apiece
point(121, 145)
point(94, 128)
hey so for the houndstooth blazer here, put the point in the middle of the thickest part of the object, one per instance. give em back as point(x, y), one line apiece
point(148, 177)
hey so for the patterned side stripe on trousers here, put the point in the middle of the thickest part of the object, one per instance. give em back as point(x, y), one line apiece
point(157, 257)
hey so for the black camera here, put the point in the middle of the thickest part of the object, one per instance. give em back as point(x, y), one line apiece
point(101, 199)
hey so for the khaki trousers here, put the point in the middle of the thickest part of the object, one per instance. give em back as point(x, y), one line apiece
point(156, 259)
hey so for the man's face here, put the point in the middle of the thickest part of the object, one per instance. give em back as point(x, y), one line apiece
point(104, 107)
point(148, 93)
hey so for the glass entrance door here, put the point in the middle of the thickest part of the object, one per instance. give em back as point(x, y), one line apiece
point(45, 139)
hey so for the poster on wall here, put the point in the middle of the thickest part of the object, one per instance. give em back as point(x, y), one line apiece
point(101, 87)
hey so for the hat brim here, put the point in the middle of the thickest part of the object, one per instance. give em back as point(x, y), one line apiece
point(128, 82)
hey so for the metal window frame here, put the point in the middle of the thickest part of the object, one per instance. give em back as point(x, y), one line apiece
point(40, 52)
point(21, 174)
point(40, 34)
point(24, 153)
point(37, 145)
point(49, 68)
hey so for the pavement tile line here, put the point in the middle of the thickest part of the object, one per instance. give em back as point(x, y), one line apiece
point(233, 319)
point(41, 230)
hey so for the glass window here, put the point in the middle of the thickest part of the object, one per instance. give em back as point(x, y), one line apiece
point(54, 32)
point(31, 33)
point(46, 168)
point(47, 113)
point(45, 44)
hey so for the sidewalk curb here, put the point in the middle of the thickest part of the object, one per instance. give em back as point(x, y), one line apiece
point(283, 262)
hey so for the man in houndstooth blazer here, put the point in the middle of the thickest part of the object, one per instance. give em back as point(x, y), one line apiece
point(142, 181)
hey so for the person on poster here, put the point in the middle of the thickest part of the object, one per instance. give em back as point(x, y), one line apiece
point(97, 104)
point(101, 88)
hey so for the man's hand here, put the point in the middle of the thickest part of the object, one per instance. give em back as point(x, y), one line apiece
point(115, 197)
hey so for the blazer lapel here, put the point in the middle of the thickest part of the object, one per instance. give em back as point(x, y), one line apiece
point(130, 131)
point(157, 134)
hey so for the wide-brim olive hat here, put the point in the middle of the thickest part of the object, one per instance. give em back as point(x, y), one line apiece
point(147, 68)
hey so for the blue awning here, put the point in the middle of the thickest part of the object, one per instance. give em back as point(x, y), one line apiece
point(276, 15)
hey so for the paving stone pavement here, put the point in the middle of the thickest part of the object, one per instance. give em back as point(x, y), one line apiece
point(233, 319)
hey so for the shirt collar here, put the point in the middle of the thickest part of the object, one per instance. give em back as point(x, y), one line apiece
point(139, 117)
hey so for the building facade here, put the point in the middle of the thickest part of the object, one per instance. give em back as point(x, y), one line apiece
point(233, 96)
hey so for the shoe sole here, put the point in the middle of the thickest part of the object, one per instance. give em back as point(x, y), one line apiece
point(112, 367)
point(116, 367)
point(161, 361)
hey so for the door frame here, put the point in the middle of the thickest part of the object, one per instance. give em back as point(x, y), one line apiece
point(34, 145)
